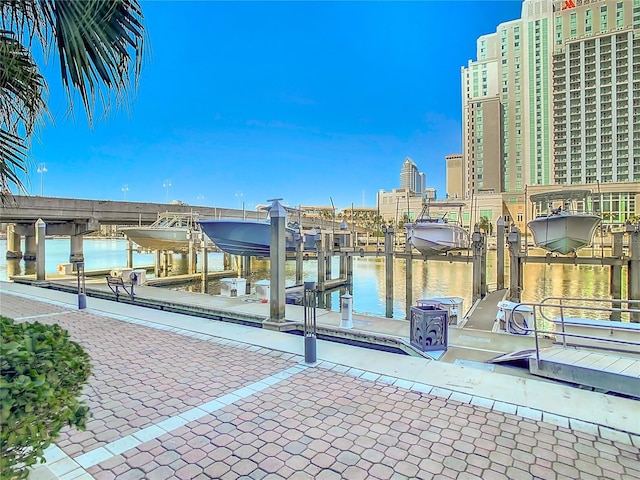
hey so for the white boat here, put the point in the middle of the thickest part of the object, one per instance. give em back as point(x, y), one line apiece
point(561, 228)
point(245, 237)
point(435, 235)
point(171, 231)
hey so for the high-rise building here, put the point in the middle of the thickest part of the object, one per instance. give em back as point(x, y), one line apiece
point(409, 176)
point(554, 98)
point(454, 176)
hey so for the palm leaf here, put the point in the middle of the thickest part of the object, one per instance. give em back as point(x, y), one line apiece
point(99, 43)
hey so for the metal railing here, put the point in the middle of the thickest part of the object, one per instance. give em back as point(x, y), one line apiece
point(543, 307)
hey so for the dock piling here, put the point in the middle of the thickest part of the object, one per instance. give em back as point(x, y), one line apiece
point(41, 229)
point(277, 257)
point(388, 266)
point(500, 253)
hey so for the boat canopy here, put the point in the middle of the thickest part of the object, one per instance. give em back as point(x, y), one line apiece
point(560, 195)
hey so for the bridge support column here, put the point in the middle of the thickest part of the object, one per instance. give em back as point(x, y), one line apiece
point(634, 270)
point(500, 260)
point(29, 248)
point(277, 257)
point(77, 254)
point(13, 243)
point(41, 231)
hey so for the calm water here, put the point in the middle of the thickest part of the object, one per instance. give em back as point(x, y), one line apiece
point(432, 279)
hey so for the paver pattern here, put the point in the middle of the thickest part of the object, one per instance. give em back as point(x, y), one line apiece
point(319, 423)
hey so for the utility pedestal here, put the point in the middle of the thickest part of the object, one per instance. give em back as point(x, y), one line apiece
point(346, 307)
point(310, 331)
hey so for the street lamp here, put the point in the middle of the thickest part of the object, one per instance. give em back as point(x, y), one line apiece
point(125, 189)
point(239, 197)
point(167, 184)
point(42, 168)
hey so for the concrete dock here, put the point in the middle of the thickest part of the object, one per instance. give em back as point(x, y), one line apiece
point(177, 396)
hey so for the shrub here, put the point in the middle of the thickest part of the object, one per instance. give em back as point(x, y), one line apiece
point(42, 373)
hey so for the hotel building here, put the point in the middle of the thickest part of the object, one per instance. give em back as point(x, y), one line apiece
point(553, 99)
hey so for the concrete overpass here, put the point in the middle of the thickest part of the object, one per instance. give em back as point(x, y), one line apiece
point(77, 217)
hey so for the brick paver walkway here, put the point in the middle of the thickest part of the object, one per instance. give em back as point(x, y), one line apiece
point(242, 411)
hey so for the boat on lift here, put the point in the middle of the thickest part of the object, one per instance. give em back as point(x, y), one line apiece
point(171, 231)
point(564, 225)
point(434, 235)
point(246, 237)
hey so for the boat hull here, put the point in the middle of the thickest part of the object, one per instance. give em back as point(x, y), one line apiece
point(158, 238)
point(246, 238)
point(564, 233)
point(433, 238)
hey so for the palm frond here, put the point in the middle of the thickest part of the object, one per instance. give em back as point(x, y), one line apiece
point(22, 87)
point(99, 43)
point(13, 153)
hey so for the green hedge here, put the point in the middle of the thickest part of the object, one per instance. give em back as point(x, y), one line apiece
point(42, 373)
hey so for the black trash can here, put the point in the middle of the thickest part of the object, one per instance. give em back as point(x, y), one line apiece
point(429, 326)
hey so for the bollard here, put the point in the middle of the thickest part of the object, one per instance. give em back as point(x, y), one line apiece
point(346, 305)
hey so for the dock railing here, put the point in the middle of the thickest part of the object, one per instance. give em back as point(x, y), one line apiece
point(541, 310)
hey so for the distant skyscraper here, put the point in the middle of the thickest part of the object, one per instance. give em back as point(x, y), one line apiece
point(552, 98)
point(454, 176)
point(409, 175)
point(422, 183)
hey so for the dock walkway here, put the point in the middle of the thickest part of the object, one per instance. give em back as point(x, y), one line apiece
point(176, 396)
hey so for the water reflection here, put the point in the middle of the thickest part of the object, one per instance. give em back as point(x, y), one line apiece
point(430, 279)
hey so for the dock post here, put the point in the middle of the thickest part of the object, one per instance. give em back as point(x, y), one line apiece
point(299, 261)
point(77, 255)
point(633, 275)
point(477, 242)
point(409, 277)
point(327, 259)
point(204, 285)
point(193, 254)
point(13, 243)
point(41, 229)
point(277, 261)
point(343, 265)
point(515, 264)
point(157, 267)
point(350, 272)
point(30, 248)
point(615, 274)
point(322, 275)
point(130, 254)
point(388, 266)
point(500, 260)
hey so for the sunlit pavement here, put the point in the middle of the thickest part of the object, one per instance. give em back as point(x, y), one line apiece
point(173, 403)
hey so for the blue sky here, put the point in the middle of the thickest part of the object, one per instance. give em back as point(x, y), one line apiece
point(246, 101)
